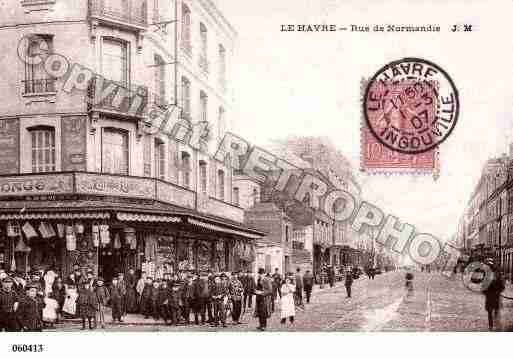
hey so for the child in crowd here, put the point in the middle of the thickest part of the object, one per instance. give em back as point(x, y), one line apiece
point(50, 310)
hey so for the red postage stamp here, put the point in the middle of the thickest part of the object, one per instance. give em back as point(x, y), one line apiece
point(410, 107)
point(390, 118)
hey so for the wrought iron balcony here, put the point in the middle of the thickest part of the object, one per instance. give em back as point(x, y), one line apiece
point(128, 14)
point(39, 86)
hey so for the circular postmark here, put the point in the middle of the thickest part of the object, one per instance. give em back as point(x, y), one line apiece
point(411, 105)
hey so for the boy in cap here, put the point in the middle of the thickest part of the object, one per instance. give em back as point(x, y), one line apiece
point(30, 310)
point(9, 301)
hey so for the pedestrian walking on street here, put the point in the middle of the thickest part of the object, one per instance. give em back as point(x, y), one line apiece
point(331, 276)
point(9, 302)
point(263, 292)
point(287, 304)
point(308, 282)
point(87, 304)
point(348, 283)
point(103, 298)
point(298, 280)
point(409, 284)
point(492, 298)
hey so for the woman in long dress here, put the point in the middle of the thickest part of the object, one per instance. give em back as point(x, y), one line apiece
point(70, 301)
point(288, 308)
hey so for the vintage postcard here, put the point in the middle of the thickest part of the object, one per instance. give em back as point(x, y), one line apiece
point(226, 166)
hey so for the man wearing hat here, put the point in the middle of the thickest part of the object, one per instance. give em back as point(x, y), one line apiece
point(219, 295)
point(8, 305)
point(264, 291)
point(103, 296)
point(236, 294)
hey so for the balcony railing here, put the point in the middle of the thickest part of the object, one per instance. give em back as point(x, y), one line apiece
point(118, 100)
point(39, 86)
point(129, 13)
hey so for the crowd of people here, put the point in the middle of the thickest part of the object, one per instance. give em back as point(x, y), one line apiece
point(40, 300)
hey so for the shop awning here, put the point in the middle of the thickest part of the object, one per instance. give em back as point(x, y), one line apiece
point(217, 228)
point(139, 217)
point(55, 215)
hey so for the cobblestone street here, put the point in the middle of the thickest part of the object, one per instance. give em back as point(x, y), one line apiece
point(438, 304)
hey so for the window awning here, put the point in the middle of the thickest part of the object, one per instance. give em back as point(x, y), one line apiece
point(217, 228)
point(138, 217)
point(56, 215)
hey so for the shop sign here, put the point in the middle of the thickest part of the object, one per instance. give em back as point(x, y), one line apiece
point(169, 193)
point(36, 185)
point(73, 143)
point(107, 185)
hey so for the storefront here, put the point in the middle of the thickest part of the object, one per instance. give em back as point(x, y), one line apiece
point(110, 234)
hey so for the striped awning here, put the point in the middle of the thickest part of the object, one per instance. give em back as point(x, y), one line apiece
point(140, 217)
point(217, 228)
point(57, 215)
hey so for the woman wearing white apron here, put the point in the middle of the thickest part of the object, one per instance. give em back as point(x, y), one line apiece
point(70, 302)
point(288, 308)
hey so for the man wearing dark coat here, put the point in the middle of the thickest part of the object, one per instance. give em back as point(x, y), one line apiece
point(163, 301)
point(9, 301)
point(492, 299)
point(201, 297)
point(187, 299)
point(87, 304)
point(116, 300)
point(131, 292)
point(122, 285)
point(146, 296)
point(103, 297)
point(249, 289)
point(30, 310)
point(308, 282)
point(263, 292)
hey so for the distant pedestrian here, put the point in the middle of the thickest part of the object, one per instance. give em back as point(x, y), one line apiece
point(298, 280)
point(278, 280)
point(9, 302)
point(287, 305)
point(331, 276)
point(348, 283)
point(492, 298)
point(409, 284)
point(308, 282)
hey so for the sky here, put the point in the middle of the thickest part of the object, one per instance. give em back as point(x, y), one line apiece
point(296, 83)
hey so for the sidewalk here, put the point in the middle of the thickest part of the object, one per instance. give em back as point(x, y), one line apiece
point(139, 320)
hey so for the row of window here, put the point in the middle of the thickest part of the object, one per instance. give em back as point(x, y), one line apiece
point(115, 159)
point(186, 45)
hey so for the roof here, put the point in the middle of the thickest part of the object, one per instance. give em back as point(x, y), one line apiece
point(28, 208)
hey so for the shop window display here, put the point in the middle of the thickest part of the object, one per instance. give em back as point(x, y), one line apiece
point(204, 255)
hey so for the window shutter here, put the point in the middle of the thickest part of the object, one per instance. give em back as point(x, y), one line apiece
point(173, 161)
point(213, 179)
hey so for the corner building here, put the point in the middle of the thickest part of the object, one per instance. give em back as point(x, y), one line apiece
point(86, 184)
